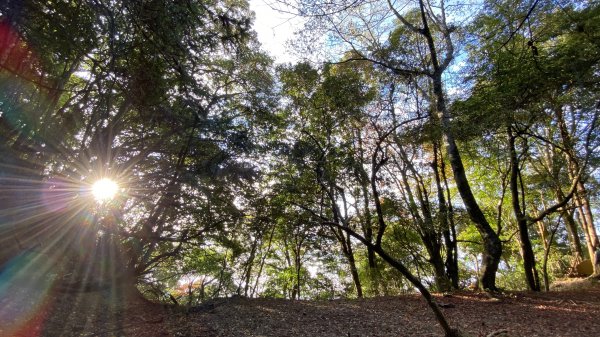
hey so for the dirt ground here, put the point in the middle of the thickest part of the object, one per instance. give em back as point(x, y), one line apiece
point(571, 312)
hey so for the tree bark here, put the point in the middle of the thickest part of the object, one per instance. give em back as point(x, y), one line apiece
point(451, 245)
point(587, 220)
point(363, 178)
point(581, 199)
point(492, 246)
point(572, 233)
point(547, 247)
point(348, 251)
point(262, 261)
point(450, 263)
point(250, 264)
point(346, 245)
point(531, 274)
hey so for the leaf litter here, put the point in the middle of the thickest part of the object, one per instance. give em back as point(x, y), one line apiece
point(106, 313)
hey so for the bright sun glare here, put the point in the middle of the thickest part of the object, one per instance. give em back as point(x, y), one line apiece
point(104, 189)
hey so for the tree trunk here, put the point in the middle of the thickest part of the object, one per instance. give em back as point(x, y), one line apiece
point(449, 332)
point(250, 264)
point(376, 165)
point(580, 197)
point(492, 246)
point(547, 246)
point(587, 220)
point(572, 233)
point(348, 251)
point(346, 245)
point(363, 177)
point(450, 263)
point(422, 214)
point(442, 282)
point(298, 269)
point(451, 244)
point(531, 274)
point(262, 261)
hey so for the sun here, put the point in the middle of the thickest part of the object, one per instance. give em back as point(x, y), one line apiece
point(104, 189)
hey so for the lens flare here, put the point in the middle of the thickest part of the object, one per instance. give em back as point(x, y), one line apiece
point(104, 189)
point(24, 288)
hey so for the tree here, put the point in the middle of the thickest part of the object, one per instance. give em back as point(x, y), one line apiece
point(158, 96)
point(520, 82)
point(423, 27)
point(319, 106)
point(322, 153)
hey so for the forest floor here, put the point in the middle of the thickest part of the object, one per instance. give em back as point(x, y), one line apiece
point(572, 309)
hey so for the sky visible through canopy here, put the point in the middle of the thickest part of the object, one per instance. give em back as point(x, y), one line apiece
point(274, 29)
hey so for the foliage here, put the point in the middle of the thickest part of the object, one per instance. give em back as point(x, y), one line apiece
point(239, 177)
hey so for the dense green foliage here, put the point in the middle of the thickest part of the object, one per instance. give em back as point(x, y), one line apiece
point(304, 180)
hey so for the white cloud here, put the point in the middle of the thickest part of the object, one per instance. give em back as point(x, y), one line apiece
point(275, 28)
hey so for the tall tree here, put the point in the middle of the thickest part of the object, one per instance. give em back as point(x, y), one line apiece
point(522, 83)
point(422, 26)
point(161, 97)
point(321, 110)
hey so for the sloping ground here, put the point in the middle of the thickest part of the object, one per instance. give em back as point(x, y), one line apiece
point(114, 312)
point(572, 313)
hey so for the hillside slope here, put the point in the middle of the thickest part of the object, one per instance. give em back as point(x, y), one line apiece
point(114, 312)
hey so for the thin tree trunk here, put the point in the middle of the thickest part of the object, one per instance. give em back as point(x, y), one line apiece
point(492, 246)
point(376, 165)
point(423, 217)
point(452, 246)
point(363, 178)
point(249, 264)
point(349, 253)
point(439, 316)
point(587, 220)
point(572, 233)
point(451, 273)
point(580, 198)
point(298, 269)
point(525, 242)
point(262, 261)
point(547, 247)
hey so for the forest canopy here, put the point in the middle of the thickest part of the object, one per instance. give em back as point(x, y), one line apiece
point(420, 145)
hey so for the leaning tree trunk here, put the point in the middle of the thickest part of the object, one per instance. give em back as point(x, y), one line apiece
point(376, 165)
point(439, 316)
point(492, 246)
point(424, 292)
